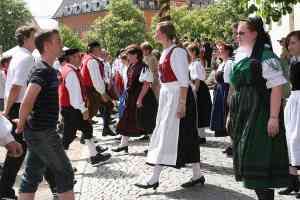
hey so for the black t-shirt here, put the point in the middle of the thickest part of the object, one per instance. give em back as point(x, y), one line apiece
point(44, 114)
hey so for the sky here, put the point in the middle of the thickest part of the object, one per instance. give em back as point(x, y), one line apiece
point(42, 10)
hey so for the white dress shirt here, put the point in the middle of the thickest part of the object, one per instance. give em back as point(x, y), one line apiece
point(18, 72)
point(98, 81)
point(74, 89)
point(179, 64)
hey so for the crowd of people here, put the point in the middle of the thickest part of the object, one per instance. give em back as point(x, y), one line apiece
point(165, 97)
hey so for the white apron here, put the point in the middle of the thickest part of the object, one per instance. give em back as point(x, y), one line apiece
point(292, 126)
point(163, 145)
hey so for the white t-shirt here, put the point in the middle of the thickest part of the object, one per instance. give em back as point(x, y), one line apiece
point(197, 71)
point(18, 72)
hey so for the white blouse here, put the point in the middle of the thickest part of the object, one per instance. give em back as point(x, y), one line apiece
point(179, 64)
point(146, 75)
point(226, 68)
point(271, 69)
point(197, 71)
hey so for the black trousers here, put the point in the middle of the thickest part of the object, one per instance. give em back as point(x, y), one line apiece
point(12, 165)
point(73, 121)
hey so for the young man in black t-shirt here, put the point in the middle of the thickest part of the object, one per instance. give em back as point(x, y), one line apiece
point(38, 117)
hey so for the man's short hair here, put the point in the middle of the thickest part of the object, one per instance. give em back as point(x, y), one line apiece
point(23, 33)
point(42, 37)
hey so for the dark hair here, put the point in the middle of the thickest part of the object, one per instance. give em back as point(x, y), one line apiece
point(256, 24)
point(146, 46)
point(227, 47)
point(23, 33)
point(194, 48)
point(4, 60)
point(135, 50)
point(42, 37)
point(92, 45)
point(292, 34)
point(168, 29)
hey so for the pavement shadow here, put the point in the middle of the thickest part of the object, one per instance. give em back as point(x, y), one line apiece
point(217, 169)
point(105, 172)
point(207, 192)
point(216, 144)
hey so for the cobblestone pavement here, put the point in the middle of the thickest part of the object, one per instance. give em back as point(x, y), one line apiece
point(114, 180)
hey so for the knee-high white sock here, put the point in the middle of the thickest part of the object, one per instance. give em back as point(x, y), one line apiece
point(92, 147)
point(124, 141)
point(156, 173)
point(196, 171)
point(201, 132)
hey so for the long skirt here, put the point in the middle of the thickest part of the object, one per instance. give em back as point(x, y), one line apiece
point(260, 161)
point(203, 105)
point(174, 141)
point(135, 121)
point(292, 126)
point(219, 110)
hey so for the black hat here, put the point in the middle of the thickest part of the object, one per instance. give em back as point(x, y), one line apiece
point(71, 51)
point(92, 45)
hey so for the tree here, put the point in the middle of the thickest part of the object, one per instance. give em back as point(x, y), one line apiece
point(270, 9)
point(123, 25)
point(70, 39)
point(13, 14)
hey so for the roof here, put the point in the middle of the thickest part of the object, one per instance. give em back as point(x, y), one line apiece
point(78, 7)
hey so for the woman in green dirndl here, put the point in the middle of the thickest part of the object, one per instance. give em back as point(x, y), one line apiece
point(256, 118)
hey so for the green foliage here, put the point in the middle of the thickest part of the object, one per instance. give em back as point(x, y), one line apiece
point(123, 25)
point(70, 39)
point(13, 14)
point(213, 22)
point(271, 9)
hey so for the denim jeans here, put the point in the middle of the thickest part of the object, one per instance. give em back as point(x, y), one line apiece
point(45, 150)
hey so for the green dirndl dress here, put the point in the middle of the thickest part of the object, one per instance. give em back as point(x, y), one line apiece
point(260, 161)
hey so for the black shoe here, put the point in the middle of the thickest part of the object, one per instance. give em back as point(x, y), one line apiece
point(82, 141)
point(100, 149)
point(146, 151)
point(298, 196)
point(265, 194)
point(119, 149)
point(192, 182)
point(147, 186)
point(99, 159)
point(202, 140)
point(294, 186)
point(108, 131)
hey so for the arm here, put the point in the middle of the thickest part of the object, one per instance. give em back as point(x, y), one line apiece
point(143, 92)
point(97, 80)
point(31, 94)
point(11, 99)
point(275, 104)
point(74, 89)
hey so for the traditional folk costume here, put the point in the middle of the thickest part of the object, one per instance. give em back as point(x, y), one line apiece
point(260, 161)
point(197, 72)
point(93, 76)
point(174, 141)
point(220, 108)
point(138, 121)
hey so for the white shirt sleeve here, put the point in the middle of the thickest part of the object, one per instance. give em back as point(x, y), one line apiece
point(22, 71)
point(97, 80)
point(5, 127)
point(197, 71)
point(146, 75)
point(74, 89)
point(227, 71)
point(271, 71)
point(180, 66)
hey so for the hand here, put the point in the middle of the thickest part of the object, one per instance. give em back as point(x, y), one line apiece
point(181, 110)
point(14, 149)
point(105, 98)
point(85, 115)
point(20, 127)
point(273, 127)
point(139, 103)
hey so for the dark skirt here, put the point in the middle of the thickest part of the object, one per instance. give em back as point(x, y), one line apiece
point(260, 161)
point(204, 105)
point(219, 110)
point(135, 122)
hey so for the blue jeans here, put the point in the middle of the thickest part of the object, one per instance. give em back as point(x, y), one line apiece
point(45, 150)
